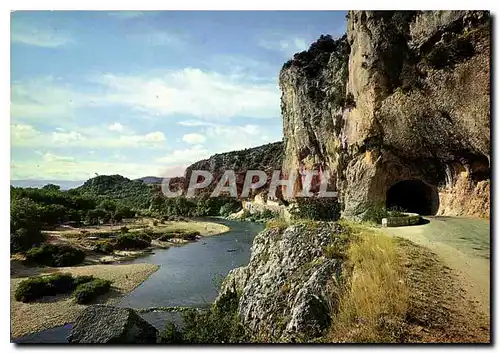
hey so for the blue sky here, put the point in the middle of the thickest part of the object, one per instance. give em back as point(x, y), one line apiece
point(147, 93)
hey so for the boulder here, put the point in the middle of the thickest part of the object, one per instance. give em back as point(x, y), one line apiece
point(284, 291)
point(110, 324)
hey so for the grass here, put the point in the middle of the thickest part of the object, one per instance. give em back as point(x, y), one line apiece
point(375, 299)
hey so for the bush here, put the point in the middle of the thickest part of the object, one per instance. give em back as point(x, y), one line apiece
point(155, 223)
point(82, 279)
point(375, 213)
point(166, 236)
point(317, 209)
point(131, 241)
point(170, 334)
point(188, 235)
point(87, 292)
point(24, 239)
point(123, 230)
point(55, 255)
point(36, 287)
point(219, 324)
point(228, 208)
point(103, 247)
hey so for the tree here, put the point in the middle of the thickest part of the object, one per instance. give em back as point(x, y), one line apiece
point(51, 187)
point(24, 224)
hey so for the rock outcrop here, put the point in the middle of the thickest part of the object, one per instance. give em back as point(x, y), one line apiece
point(404, 97)
point(109, 324)
point(265, 158)
point(286, 290)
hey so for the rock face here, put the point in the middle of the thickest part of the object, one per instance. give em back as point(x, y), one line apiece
point(403, 101)
point(283, 290)
point(109, 324)
point(266, 158)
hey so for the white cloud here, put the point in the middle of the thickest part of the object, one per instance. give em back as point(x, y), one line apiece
point(67, 138)
point(185, 156)
point(189, 92)
point(45, 98)
point(287, 46)
point(20, 132)
point(116, 127)
point(204, 95)
point(96, 137)
point(37, 34)
point(193, 123)
point(193, 138)
point(238, 137)
point(50, 157)
point(67, 168)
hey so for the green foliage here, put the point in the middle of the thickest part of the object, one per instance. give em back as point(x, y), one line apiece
point(170, 334)
point(55, 255)
point(131, 241)
point(24, 224)
point(104, 247)
point(374, 213)
point(317, 209)
point(25, 238)
point(123, 230)
point(218, 324)
point(88, 291)
point(34, 288)
point(230, 207)
point(122, 191)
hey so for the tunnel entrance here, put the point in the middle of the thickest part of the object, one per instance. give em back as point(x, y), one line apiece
point(413, 196)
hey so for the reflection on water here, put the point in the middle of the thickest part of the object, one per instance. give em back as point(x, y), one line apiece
point(187, 276)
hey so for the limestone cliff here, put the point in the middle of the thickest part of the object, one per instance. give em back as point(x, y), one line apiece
point(399, 110)
point(266, 158)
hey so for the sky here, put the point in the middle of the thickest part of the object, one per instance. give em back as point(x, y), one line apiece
point(147, 93)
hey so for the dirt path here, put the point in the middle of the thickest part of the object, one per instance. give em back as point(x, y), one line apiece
point(463, 245)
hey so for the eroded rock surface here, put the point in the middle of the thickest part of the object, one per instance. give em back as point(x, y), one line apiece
point(405, 96)
point(109, 324)
point(286, 290)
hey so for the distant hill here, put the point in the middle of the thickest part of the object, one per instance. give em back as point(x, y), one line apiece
point(150, 180)
point(33, 183)
point(133, 193)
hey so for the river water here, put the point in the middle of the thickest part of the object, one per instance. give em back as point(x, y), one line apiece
point(188, 276)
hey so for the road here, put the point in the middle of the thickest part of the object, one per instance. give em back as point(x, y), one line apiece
point(463, 244)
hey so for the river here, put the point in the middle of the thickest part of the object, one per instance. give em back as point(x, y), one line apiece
point(188, 276)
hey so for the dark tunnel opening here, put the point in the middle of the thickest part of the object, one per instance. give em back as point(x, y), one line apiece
point(413, 196)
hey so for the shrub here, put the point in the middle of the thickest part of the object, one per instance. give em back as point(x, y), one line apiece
point(189, 235)
point(36, 287)
point(87, 292)
point(55, 255)
point(170, 334)
point(82, 279)
point(219, 324)
point(375, 213)
point(155, 223)
point(166, 236)
point(131, 241)
point(104, 247)
point(228, 208)
point(317, 209)
point(25, 238)
point(123, 230)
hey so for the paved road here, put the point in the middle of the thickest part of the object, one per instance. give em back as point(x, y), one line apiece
point(463, 244)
